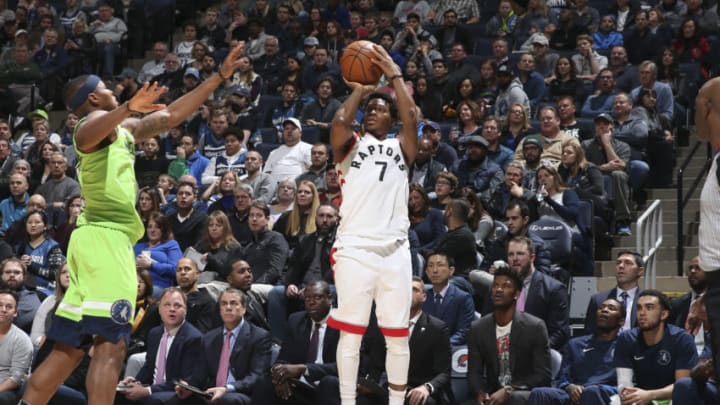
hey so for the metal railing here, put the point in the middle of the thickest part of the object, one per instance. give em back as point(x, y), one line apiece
point(649, 238)
point(682, 200)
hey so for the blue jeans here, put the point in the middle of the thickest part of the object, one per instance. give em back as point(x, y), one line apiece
point(106, 54)
point(638, 172)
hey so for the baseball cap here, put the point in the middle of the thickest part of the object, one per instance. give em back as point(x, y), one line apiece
point(311, 41)
point(540, 39)
point(504, 69)
point(20, 32)
point(192, 72)
point(533, 140)
point(604, 116)
point(431, 124)
point(8, 16)
point(475, 139)
point(127, 74)
point(242, 92)
point(293, 121)
point(39, 113)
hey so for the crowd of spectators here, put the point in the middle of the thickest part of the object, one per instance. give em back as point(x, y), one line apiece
point(532, 116)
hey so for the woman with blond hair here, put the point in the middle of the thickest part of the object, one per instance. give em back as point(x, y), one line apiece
point(583, 177)
point(299, 221)
point(515, 127)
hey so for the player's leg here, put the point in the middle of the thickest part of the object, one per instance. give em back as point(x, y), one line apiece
point(52, 372)
point(104, 372)
point(393, 296)
point(354, 284)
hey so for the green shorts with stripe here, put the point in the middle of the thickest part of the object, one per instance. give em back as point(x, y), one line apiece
point(103, 287)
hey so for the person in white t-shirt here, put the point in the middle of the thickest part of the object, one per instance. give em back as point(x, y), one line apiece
point(292, 158)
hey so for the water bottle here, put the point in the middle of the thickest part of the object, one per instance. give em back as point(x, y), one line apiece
point(539, 196)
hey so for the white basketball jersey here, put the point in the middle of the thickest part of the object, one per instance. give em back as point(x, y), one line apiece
point(374, 181)
point(709, 251)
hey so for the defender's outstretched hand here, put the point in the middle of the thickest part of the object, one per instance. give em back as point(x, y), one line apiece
point(144, 100)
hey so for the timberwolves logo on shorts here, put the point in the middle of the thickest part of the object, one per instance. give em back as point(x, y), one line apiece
point(121, 311)
point(664, 357)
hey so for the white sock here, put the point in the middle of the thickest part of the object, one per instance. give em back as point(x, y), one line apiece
point(348, 361)
point(396, 397)
point(397, 361)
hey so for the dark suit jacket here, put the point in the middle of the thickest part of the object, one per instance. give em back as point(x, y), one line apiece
point(680, 309)
point(548, 300)
point(457, 311)
point(249, 359)
point(529, 354)
point(598, 298)
point(182, 358)
point(296, 343)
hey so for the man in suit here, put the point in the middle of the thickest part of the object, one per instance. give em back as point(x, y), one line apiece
point(430, 354)
point(686, 311)
point(241, 278)
point(542, 295)
point(447, 302)
point(305, 371)
point(587, 375)
point(234, 356)
point(508, 353)
point(629, 267)
point(181, 344)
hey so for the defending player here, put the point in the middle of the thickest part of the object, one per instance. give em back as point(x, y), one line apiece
point(707, 119)
point(371, 252)
point(98, 308)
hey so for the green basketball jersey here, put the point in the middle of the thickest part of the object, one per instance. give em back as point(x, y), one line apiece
point(107, 181)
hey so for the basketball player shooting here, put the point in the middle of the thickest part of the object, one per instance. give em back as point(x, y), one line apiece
point(98, 306)
point(371, 252)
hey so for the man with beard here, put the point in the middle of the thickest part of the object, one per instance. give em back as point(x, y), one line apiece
point(318, 166)
point(459, 241)
point(188, 222)
point(452, 33)
point(17, 349)
point(425, 168)
point(238, 216)
point(149, 166)
point(497, 153)
point(626, 74)
point(310, 262)
point(13, 278)
point(587, 375)
point(476, 170)
point(241, 277)
point(602, 102)
point(503, 335)
point(652, 356)
point(550, 135)
point(686, 310)
point(510, 92)
point(307, 356)
point(442, 152)
point(319, 113)
point(201, 307)
point(262, 184)
point(532, 149)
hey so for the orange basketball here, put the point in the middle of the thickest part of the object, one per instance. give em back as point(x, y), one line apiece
point(356, 65)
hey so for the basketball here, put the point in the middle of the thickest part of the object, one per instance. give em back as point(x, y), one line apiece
point(356, 65)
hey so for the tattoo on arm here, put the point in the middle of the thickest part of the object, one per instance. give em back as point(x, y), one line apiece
point(152, 125)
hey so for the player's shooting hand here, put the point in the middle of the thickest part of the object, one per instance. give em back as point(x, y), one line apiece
point(382, 59)
point(232, 61)
point(364, 88)
point(144, 100)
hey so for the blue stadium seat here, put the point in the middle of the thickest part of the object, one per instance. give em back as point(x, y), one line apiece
point(557, 236)
point(500, 229)
point(458, 374)
point(310, 134)
point(269, 135)
point(586, 124)
point(475, 60)
point(482, 47)
point(265, 148)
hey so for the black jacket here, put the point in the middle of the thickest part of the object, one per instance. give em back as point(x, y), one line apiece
point(303, 256)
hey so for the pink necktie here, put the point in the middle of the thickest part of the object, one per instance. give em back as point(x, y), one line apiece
point(224, 367)
point(162, 355)
point(521, 301)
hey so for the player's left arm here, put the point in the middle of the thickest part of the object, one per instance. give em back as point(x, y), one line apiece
point(180, 109)
point(406, 105)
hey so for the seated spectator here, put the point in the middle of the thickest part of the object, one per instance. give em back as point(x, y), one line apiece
point(606, 36)
point(318, 167)
point(561, 203)
point(199, 50)
point(601, 102)
point(52, 60)
point(42, 320)
point(309, 263)
point(427, 100)
point(189, 160)
point(188, 222)
point(705, 16)
point(640, 42)
point(687, 311)
point(584, 178)
point(565, 81)
point(271, 63)
point(425, 168)
point(333, 39)
point(262, 184)
point(465, 91)
point(510, 91)
point(321, 66)
point(13, 275)
point(146, 315)
point(551, 138)
point(172, 75)
point(156, 379)
point(292, 158)
point(127, 85)
point(446, 301)
point(662, 29)
point(255, 38)
point(319, 113)
point(442, 152)
point(503, 23)
point(284, 199)
point(59, 187)
point(267, 252)
point(220, 193)
point(150, 165)
point(148, 203)
point(215, 245)
point(18, 77)
point(426, 221)
point(18, 351)
point(446, 188)
point(536, 18)
point(496, 153)
point(451, 30)
point(510, 190)
point(17, 233)
point(240, 277)
point(629, 127)
point(313, 362)
point(669, 73)
point(533, 82)
point(518, 335)
point(545, 58)
point(691, 46)
point(515, 126)
point(41, 254)
point(183, 49)
point(246, 78)
point(299, 222)
point(332, 193)
point(638, 370)
point(202, 307)
point(587, 61)
point(660, 145)
point(290, 73)
point(249, 359)
point(568, 30)
point(232, 158)
point(407, 40)
point(81, 47)
point(160, 254)
point(73, 208)
point(459, 242)
point(479, 220)
point(13, 208)
point(476, 170)
point(156, 65)
point(241, 112)
point(568, 124)
point(586, 373)
point(648, 79)
point(108, 31)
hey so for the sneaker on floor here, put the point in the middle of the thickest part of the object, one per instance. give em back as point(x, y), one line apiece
point(623, 230)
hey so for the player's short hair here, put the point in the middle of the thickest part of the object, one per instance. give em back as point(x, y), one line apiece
point(664, 300)
point(514, 276)
point(387, 98)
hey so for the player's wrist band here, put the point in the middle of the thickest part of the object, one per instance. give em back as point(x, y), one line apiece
point(223, 77)
point(131, 110)
point(397, 76)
